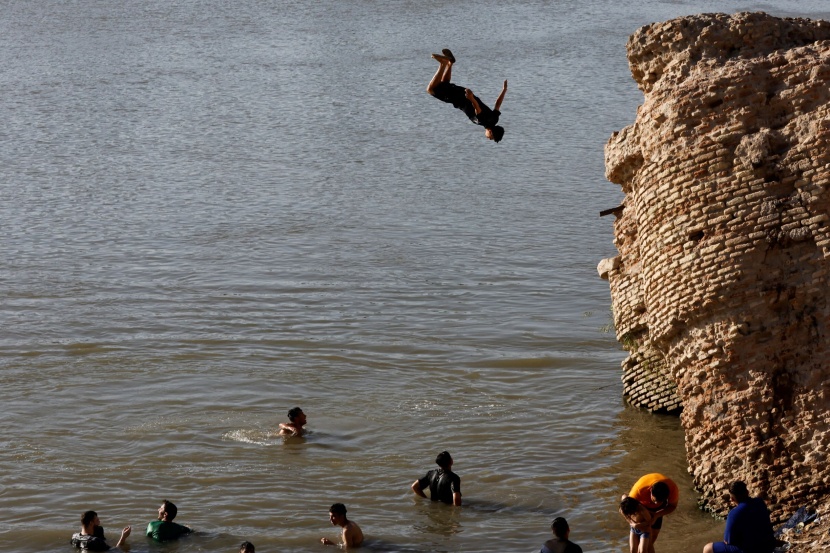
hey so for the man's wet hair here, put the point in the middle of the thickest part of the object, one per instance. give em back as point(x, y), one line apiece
point(247, 547)
point(498, 133)
point(738, 489)
point(444, 459)
point(629, 506)
point(170, 509)
point(293, 413)
point(88, 517)
point(560, 527)
point(338, 509)
point(660, 491)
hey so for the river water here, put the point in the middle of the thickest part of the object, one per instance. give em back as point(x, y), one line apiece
point(214, 211)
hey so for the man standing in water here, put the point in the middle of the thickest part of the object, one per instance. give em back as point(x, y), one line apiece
point(560, 542)
point(464, 99)
point(91, 537)
point(444, 485)
point(352, 536)
point(295, 425)
point(659, 494)
point(164, 529)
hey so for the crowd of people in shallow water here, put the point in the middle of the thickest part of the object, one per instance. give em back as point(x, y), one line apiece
point(652, 497)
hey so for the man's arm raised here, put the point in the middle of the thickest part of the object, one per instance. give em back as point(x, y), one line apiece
point(500, 99)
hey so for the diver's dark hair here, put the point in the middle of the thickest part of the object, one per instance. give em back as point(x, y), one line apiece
point(170, 509)
point(660, 491)
point(292, 414)
point(444, 459)
point(88, 517)
point(498, 132)
point(738, 489)
point(629, 506)
point(560, 527)
point(338, 509)
point(247, 547)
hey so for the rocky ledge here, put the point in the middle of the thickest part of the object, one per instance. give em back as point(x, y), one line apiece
point(720, 289)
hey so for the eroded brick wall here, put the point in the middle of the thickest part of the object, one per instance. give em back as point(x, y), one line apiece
point(721, 281)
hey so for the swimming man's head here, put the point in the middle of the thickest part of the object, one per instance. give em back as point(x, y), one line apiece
point(296, 415)
point(560, 528)
point(444, 460)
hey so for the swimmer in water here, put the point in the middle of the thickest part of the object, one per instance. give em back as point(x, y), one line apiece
point(295, 426)
point(464, 99)
point(352, 536)
point(91, 537)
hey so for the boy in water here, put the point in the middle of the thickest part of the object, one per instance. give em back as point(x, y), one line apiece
point(295, 426)
point(639, 518)
point(352, 536)
point(464, 99)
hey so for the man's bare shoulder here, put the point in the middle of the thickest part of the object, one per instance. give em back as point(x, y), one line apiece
point(352, 534)
point(291, 429)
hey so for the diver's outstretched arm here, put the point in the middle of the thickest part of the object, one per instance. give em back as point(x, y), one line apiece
point(500, 99)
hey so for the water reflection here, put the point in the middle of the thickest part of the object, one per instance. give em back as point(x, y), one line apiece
point(441, 520)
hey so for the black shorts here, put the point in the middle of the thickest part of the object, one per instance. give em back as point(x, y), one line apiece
point(452, 94)
point(657, 524)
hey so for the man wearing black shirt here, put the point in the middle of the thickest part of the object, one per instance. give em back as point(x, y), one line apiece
point(464, 99)
point(444, 485)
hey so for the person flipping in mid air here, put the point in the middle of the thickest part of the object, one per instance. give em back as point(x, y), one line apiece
point(464, 99)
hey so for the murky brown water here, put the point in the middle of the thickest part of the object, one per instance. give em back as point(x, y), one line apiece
point(212, 212)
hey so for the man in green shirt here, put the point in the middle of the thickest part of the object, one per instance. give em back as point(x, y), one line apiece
point(164, 529)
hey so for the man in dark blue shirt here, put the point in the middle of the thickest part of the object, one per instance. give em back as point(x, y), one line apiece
point(464, 99)
point(748, 527)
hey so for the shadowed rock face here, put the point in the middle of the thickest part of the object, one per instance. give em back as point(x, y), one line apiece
point(720, 290)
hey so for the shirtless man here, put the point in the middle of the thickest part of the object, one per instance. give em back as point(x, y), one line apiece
point(639, 518)
point(464, 99)
point(295, 426)
point(352, 536)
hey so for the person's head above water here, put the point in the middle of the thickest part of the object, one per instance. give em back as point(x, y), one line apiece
point(167, 511)
point(296, 415)
point(88, 518)
point(247, 547)
point(337, 514)
point(444, 460)
point(494, 133)
point(560, 528)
